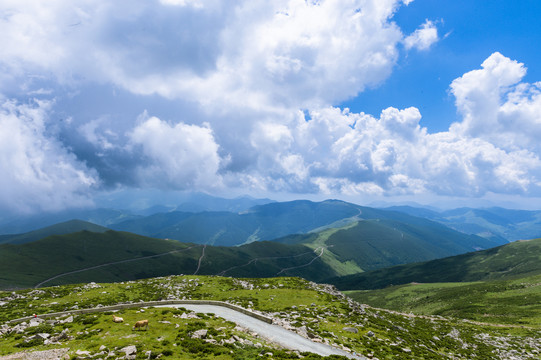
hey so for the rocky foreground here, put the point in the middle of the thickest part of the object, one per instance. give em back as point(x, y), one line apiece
point(318, 312)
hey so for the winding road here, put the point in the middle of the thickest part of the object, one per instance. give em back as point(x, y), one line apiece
point(272, 333)
point(246, 319)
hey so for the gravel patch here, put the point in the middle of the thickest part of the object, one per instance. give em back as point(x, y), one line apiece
point(54, 354)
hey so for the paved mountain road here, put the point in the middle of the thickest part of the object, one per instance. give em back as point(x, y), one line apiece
point(273, 333)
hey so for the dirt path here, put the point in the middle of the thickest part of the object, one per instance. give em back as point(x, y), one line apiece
point(200, 259)
point(114, 263)
point(53, 354)
point(307, 264)
point(222, 273)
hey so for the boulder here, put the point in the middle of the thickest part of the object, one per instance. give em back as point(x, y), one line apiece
point(200, 334)
point(129, 350)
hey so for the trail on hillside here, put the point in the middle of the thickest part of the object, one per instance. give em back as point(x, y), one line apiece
point(222, 273)
point(112, 263)
point(322, 248)
point(200, 259)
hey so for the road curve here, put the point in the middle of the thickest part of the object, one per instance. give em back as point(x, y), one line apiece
point(272, 333)
point(245, 318)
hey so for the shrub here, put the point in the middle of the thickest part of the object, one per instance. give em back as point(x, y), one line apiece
point(41, 328)
point(34, 342)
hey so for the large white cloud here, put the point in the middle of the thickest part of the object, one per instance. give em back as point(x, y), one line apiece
point(178, 156)
point(38, 173)
point(492, 150)
point(254, 53)
point(497, 106)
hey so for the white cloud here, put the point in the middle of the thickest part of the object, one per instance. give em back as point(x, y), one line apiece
point(422, 38)
point(38, 173)
point(336, 151)
point(180, 156)
point(497, 107)
point(256, 53)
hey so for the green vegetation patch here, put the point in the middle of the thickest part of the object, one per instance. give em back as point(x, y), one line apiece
point(511, 302)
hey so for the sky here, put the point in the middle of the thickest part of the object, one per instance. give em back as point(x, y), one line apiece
point(437, 102)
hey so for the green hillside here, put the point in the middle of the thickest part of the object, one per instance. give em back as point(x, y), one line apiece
point(67, 227)
point(373, 244)
point(518, 259)
point(119, 256)
point(515, 301)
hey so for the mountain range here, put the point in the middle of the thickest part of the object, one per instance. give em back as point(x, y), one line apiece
point(301, 238)
point(496, 223)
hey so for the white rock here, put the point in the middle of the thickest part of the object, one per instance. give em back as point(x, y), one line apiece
point(129, 350)
point(200, 334)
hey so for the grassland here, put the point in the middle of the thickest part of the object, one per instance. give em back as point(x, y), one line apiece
point(306, 307)
point(508, 302)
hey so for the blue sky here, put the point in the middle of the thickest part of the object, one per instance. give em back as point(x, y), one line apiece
point(436, 102)
point(473, 30)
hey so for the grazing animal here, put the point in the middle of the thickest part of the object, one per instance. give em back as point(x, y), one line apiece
point(141, 324)
point(117, 319)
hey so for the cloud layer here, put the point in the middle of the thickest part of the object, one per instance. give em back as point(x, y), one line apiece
point(202, 95)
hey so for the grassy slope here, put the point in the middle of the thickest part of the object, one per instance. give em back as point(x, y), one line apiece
point(378, 243)
point(28, 264)
point(513, 260)
point(499, 301)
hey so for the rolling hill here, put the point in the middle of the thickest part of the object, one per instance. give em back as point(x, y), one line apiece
point(514, 260)
point(116, 210)
point(373, 244)
point(67, 227)
point(498, 285)
point(120, 256)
